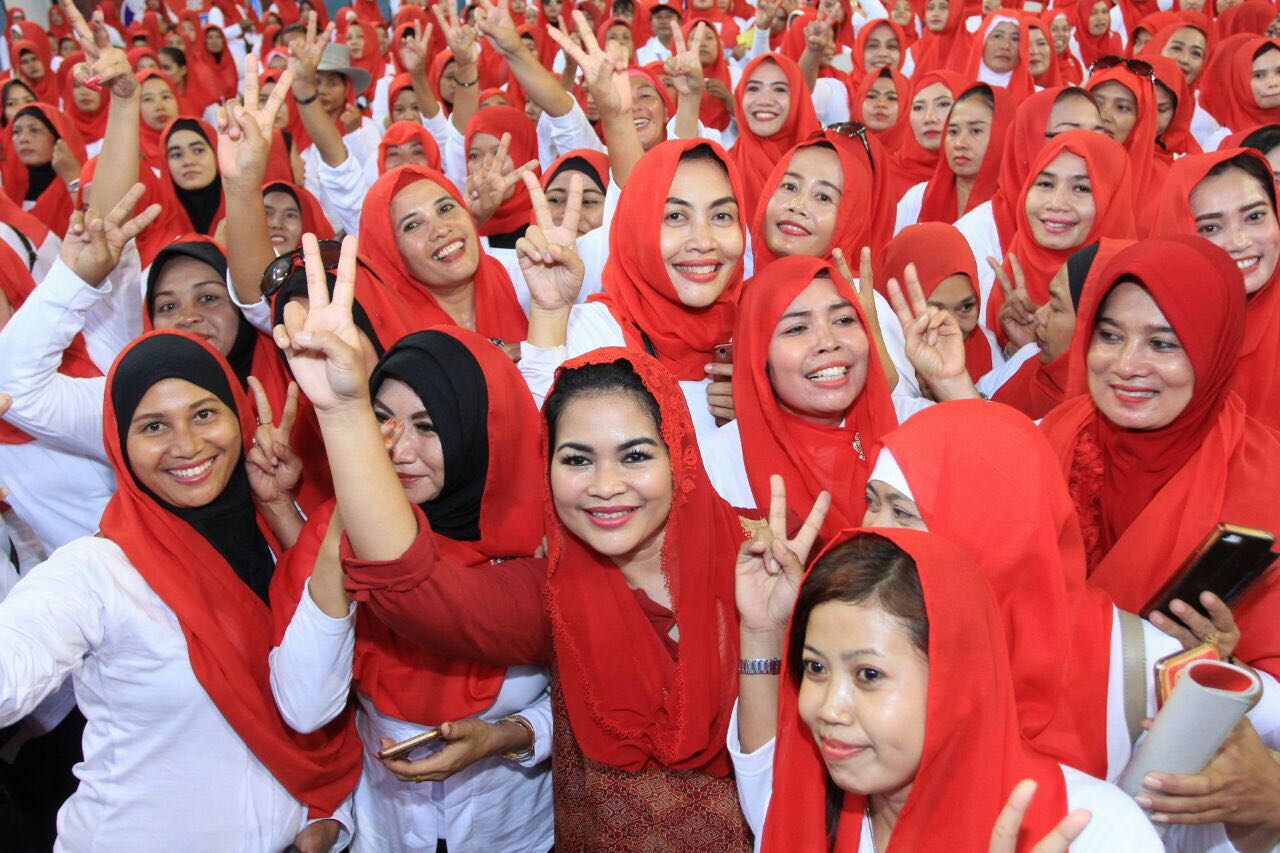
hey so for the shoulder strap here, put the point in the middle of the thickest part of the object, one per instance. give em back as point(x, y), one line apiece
point(1135, 673)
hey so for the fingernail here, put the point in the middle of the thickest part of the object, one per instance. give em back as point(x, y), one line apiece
point(1143, 801)
point(1157, 817)
point(1151, 782)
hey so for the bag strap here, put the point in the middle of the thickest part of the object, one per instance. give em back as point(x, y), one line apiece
point(1134, 653)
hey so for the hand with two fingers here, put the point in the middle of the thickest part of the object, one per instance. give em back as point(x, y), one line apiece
point(494, 181)
point(105, 66)
point(1018, 313)
point(274, 468)
point(245, 132)
point(684, 67)
point(547, 253)
point(92, 249)
point(935, 344)
point(1004, 835)
point(605, 76)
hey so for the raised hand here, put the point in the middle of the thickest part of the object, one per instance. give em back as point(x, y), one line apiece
point(304, 57)
point(766, 13)
point(461, 38)
point(684, 67)
point(1193, 629)
point(413, 50)
point(92, 249)
point(64, 163)
point(494, 21)
point(817, 34)
point(935, 344)
point(244, 132)
point(605, 76)
point(864, 286)
point(1018, 313)
point(1004, 835)
point(771, 564)
point(321, 341)
point(490, 184)
point(110, 65)
point(551, 266)
point(274, 469)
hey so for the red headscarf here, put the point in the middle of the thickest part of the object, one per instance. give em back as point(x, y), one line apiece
point(794, 42)
point(1147, 498)
point(135, 54)
point(60, 29)
point(973, 751)
point(755, 156)
point(513, 213)
point(1092, 47)
point(967, 462)
point(648, 706)
point(46, 88)
point(946, 50)
point(1051, 76)
point(91, 126)
point(910, 162)
point(712, 112)
point(436, 70)
point(54, 205)
point(865, 217)
point(226, 626)
point(1225, 85)
point(148, 137)
point(1186, 20)
point(894, 136)
point(939, 251)
point(1070, 71)
point(401, 132)
point(1019, 84)
point(1133, 11)
point(1252, 16)
point(1152, 24)
point(402, 82)
point(1112, 188)
point(810, 457)
point(1176, 139)
point(221, 69)
point(1254, 377)
point(598, 160)
point(372, 60)
point(941, 201)
point(637, 288)
point(369, 13)
point(1023, 143)
point(312, 213)
point(175, 197)
point(497, 311)
point(1141, 142)
point(406, 680)
point(860, 47)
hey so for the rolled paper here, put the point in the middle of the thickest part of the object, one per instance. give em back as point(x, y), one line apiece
point(1207, 702)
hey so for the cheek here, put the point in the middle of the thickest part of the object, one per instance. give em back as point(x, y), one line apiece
point(1087, 211)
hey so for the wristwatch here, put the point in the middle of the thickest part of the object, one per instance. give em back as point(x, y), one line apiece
point(759, 666)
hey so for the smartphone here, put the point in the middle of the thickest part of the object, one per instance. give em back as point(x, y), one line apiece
point(1227, 562)
point(1170, 668)
point(404, 747)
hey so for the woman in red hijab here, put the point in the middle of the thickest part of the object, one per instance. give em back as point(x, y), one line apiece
point(1093, 31)
point(189, 179)
point(408, 143)
point(1254, 17)
point(714, 112)
point(1079, 190)
point(1188, 42)
point(362, 49)
point(1057, 25)
point(880, 44)
point(916, 156)
point(31, 174)
point(29, 61)
point(1000, 54)
point(1176, 105)
point(159, 104)
point(482, 140)
point(1225, 197)
point(953, 736)
point(944, 44)
point(880, 102)
point(1151, 474)
point(210, 53)
point(774, 112)
point(966, 175)
point(1242, 88)
point(437, 269)
point(1127, 102)
point(86, 108)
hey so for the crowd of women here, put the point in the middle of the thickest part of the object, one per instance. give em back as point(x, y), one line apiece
point(702, 425)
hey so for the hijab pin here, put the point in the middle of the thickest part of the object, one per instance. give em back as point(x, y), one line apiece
point(857, 446)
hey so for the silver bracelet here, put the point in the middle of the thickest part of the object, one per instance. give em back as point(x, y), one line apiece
point(759, 666)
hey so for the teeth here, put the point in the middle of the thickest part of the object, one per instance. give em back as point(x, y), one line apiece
point(1057, 227)
point(765, 116)
point(1145, 394)
point(618, 514)
point(191, 473)
point(1247, 263)
point(697, 269)
point(640, 122)
point(828, 373)
point(455, 246)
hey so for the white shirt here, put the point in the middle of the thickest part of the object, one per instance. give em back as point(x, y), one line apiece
point(909, 207)
point(652, 51)
point(830, 101)
point(361, 143)
point(494, 804)
point(979, 228)
point(162, 769)
point(1117, 824)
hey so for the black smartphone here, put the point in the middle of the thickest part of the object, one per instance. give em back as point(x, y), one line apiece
point(1227, 562)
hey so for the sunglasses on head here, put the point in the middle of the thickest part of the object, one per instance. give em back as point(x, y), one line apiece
point(1137, 66)
point(279, 270)
point(854, 130)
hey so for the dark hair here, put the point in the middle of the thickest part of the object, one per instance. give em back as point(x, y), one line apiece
point(1265, 48)
point(4, 96)
point(1172, 94)
point(621, 7)
point(1248, 164)
point(701, 153)
point(596, 380)
point(175, 55)
point(288, 30)
point(867, 568)
point(981, 92)
point(1263, 139)
point(1075, 92)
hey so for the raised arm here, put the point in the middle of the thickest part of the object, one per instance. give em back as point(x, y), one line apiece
point(550, 265)
point(413, 56)
point(461, 39)
point(493, 19)
point(303, 61)
point(686, 74)
point(816, 34)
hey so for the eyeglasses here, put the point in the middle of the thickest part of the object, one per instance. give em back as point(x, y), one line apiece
point(279, 270)
point(854, 130)
point(1137, 66)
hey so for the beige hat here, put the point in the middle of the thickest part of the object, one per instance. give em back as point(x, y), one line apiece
point(336, 60)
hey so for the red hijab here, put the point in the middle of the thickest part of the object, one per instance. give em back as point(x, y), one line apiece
point(632, 703)
point(755, 156)
point(1252, 16)
point(894, 136)
point(309, 208)
point(1070, 71)
point(810, 457)
point(1022, 144)
point(513, 213)
point(941, 200)
point(939, 251)
point(859, 60)
point(54, 205)
point(637, 288)
point(227, 627)
point(973, 752)
point(91, 125)
point(497, 311)
point(1225, 88)
point(967, 463)
point(1019, 83)
point(148, 137)
point(182, 203)
point(1093, 47)
point(1132, 12)
point(1254, 375)
point(712, 112)
point(218, 70)
point(46, 88)
point(946, 50)
point(476, 380)
point(1109, 178)
point(372, 60)
point(910, 163)
point(402, 132)
point(1141, 142)
point(1176, 139)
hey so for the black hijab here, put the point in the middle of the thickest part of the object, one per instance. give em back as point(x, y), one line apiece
point(39, 178)
point(241, 356)
point(200, 204)
point(230, 522)
point(448, 379)
point(296, 285)
point(1078, 266)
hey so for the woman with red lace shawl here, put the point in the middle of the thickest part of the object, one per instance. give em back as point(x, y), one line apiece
point(1156, 446)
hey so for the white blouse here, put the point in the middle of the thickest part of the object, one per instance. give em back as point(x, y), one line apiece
point(979, 227)
point(162, 769)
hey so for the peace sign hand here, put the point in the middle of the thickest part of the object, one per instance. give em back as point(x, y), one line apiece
point(245, 131)
point(413, 50)
point(274, 469)
point(305, 57)
point(1004, 835)
point(685, 68)
point(935, 344)
point(493, 20)
point(551, 267)
point(92, 248)
point(770, 565)
point(461, 38)
point(321, 341)
point(1018, 313)
point(604, 75)
point(492, 183)
point(109, 64)
point(817, 33)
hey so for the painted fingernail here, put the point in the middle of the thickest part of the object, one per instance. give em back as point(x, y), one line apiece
point(94, 82)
